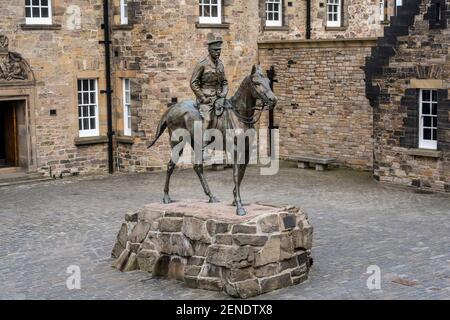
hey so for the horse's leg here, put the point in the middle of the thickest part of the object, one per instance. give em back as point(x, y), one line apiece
point(240, 211)
point(170, 168)
point(199, 170)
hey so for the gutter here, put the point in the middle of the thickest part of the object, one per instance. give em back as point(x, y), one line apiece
point(107, 43)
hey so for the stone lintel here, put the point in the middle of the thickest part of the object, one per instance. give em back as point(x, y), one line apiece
point(318, 43)
point(427, 84)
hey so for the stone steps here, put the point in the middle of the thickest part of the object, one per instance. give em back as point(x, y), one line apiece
point(20, 177)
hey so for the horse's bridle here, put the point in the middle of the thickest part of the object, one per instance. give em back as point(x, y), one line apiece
point(251, 120)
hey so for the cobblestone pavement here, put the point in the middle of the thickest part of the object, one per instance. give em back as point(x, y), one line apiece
point(48, 226)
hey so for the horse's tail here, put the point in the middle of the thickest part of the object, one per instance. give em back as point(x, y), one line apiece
point(162, 126)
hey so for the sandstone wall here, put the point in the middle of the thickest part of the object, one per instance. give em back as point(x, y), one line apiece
point(158, 51)
point(420, 62)
point(58, 55)
point(322, 109)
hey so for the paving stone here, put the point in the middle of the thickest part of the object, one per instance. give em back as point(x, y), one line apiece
point(80, 216)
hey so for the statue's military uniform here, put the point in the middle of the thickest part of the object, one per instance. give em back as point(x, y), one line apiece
point(209, 83)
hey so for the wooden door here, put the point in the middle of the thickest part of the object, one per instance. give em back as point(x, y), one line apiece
point(10, 127)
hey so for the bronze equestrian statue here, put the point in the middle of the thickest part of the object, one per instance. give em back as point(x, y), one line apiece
point(238, 114)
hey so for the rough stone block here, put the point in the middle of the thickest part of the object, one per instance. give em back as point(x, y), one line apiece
point(192, 271)
point(195, 229)
point(170, 224)
point(139, 232)
point(236, 275)
point(213, 284)
point(275, 282)
point(269, 223)
point(215, 227)
point(244, 228)
point(245, 289)
point(267, 270)
point(225, 239)
point(220, 255)
point(195, 261)
point(300, 279)
point(117, 250)
point(146, 260)
point(181, 245)
point(250, 239)
point(269, 253)
point(207, 249)
point(131, 264)
point(286, 246)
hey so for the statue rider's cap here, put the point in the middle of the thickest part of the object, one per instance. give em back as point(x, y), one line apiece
point(215, 44)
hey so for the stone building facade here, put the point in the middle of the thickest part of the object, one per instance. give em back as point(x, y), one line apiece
point(407, 77)
point(318, 48)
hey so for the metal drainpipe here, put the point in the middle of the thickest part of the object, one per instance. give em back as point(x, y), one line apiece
point(108, 91)
point(308, 19)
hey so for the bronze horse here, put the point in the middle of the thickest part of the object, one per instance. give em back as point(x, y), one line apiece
point(238, 115)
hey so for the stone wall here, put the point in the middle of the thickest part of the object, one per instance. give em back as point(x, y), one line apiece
point(166, 42)
point(322, 109)
point(420, 62)
point(58, 55)
point(157, 51)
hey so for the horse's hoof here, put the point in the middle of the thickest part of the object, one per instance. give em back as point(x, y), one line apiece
point(167, 200)
point(213, 200)
point(234, 204)
point(241, 212)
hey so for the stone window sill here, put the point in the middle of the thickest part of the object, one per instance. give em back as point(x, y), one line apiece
point(212, 25)
point(125, 139)
point(282, 28)
point(335, 28)
point(424, 153)
point(24, 26)
point(123, 27)
point(90, 140)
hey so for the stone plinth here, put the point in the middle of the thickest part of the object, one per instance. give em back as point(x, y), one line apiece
point(209, 247)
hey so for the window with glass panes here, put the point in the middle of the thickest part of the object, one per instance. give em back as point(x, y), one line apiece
point(210, 11)
point(428, 119)
point(333, 13)
point(124, 11)
point(127, 106)
point(38, 11)
point(88, 107)
point(274, 13)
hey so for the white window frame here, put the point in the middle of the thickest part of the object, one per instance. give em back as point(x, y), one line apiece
point(273, 22)
point(398, 3)
point(126, 98)
point(382, 10)
point(88, 132)
point(427, 144)
point(338, 21)
point(38, 20)
point(210, 20)
point(123, 11)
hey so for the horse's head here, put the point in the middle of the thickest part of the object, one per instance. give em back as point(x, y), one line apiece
point(261, 88)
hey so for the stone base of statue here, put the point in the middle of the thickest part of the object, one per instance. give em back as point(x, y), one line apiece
point(209, 247)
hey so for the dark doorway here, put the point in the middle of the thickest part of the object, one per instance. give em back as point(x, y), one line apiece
point(9, 136)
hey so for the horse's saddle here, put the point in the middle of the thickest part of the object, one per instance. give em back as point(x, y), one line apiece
point(219, 106)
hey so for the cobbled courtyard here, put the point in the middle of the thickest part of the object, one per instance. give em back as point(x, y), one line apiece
point(47, 227)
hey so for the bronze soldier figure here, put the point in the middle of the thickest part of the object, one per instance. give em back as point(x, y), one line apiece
point(209, 82)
